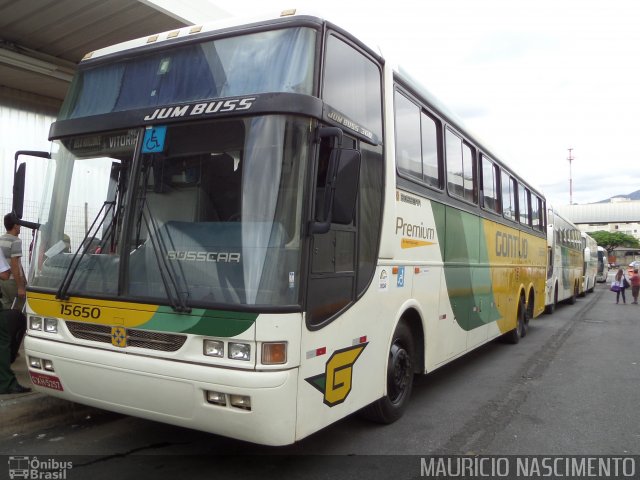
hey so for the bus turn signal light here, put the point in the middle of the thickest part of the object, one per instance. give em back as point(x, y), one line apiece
point(274, 353)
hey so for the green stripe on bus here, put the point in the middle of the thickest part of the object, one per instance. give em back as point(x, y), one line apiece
point(463, 248)
point(215, 323)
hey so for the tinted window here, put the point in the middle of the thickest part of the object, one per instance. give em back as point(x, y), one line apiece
point(468, 173)
point(508, 197)
point(416, 142)
point(275, 61)
point(430, 164)
point(460, 171)
point(408, 156)
point(352, 85)
point(536, 209)
point(523, 204)
point(489, 185)
point(454, 164)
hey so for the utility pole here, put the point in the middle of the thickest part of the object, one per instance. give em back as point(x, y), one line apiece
point(570, 179)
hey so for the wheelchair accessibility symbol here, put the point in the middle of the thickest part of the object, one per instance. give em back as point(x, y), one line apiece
point(154, 139)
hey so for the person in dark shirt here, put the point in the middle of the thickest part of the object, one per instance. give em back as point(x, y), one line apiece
point(9, 323)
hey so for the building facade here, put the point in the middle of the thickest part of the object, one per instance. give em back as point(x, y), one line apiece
point(618, 215)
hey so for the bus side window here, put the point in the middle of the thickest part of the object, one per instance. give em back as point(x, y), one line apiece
point(488, 178)
point(453, 145)
point(523, 205)
point(508, 196)
point(461, 175)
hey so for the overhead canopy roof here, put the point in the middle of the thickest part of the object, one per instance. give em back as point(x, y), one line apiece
point(595, 213)
point(42, 41)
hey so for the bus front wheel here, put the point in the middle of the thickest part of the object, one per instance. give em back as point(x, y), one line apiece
point(399, 376)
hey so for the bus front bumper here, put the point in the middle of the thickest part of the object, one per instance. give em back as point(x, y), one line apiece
point(170, 391)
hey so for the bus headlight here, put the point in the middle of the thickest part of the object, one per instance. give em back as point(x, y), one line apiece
point(216, 398)
point(35, 362)
point(240, 351)
point(213, 348)
point(274, 353)
point(240, 401)
point(51, 325)
point(35, 323)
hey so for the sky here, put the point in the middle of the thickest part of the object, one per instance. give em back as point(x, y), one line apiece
point(532, 79)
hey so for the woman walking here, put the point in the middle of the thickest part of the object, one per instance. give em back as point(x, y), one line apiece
point(619, 284)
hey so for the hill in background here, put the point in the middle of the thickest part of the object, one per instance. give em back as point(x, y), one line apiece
point(631, 196)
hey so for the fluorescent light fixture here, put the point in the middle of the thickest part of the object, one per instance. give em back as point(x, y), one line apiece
point(35, 65)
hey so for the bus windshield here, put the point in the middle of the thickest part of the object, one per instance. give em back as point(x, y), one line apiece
point(274, 61)
point(211, 217)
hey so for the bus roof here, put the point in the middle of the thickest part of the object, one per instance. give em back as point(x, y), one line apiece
point(184, 33)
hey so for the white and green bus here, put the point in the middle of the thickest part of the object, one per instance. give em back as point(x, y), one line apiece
point(589, 263)
point(564, 261)
point(288, 231)
point(603, 265)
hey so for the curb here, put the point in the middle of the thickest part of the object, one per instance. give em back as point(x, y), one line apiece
point(29, 412)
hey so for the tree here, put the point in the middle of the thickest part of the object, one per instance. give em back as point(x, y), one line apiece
point(611, 240)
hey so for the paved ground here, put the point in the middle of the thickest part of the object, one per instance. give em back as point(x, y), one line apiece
point(27, 412)
point(596, 325)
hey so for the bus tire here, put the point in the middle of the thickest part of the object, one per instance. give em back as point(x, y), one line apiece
point(399, 377)
point(529, 310)
point(574, 296)
point(514, 336)
point(549, 309)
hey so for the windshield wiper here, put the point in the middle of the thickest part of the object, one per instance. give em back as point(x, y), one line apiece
point(179, 304)
point(84, 247)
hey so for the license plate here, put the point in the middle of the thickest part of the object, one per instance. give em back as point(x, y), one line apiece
point(48, 381)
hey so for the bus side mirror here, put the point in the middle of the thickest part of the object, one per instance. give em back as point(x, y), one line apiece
point(18, 189)
point(19, 174)
point(346, 187)
point(341, 192)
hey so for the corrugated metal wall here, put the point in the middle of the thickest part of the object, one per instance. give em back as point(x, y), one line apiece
point(24, 125)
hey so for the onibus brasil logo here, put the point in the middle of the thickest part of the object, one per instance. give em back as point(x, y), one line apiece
point(35, 468)
point(335, 382)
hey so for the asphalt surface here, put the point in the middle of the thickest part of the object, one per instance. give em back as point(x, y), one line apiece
point(27, 412)
point(586, 369)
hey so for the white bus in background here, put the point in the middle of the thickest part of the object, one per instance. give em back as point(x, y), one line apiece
point(589, 264)
point(603, 265)
point(564, 261)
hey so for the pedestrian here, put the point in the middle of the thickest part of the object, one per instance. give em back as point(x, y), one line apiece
point(14, 288)
point(619, 285)
point(9, 320)
point(11, 247)
point(635, 285)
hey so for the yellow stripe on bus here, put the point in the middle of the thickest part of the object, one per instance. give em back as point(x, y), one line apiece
point(103, 312)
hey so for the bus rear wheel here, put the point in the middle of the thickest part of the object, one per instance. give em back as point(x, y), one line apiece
point(549, 309)
point(574, 296)
point(400, 363)
point(520, 331)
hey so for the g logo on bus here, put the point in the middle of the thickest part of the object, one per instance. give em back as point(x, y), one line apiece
point(335, 382)
point(119, 337)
